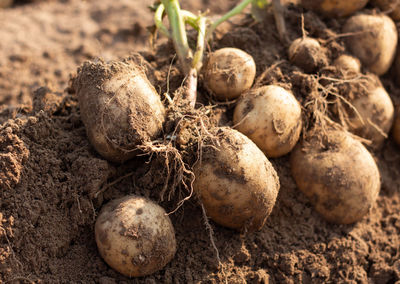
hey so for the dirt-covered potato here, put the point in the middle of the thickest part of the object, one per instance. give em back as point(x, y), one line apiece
point(307, 53)
point(229, 72)
point(135, 236)
point(372, 39)
point(338, 175)
point(119, 107)
point(389, 5)
point(271, 117)
point(367, 109)
point(235, 182)
point(374, 116)
point(396, 127)
point(334, 8)
point(348, 63)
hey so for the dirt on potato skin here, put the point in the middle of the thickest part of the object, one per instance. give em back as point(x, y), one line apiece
point(51, 180)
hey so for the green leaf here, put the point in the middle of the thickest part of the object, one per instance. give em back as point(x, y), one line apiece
point(258, 8)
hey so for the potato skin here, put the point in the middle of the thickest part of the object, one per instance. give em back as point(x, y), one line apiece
point(271, 117)
point(236, 183)
point(339, 176)
point(348, 63)
point(396, 127)
point(119, 107)
point(386, 5)
point(374, 41)
point(134, 236)
point(376, 110)
point(334, 8)
point(307, 54)
point(229, 72)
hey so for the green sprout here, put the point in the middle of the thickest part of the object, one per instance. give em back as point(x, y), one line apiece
point(191, 60)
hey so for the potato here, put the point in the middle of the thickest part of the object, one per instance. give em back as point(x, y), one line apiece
point(375, 114)
point(338, 175)
point(334, 8)
point(396, 127)
point(386, 5)
point(307, 53)
point(373, 39)
point(348, 63)
point(229, 72)
point(235, 182)
point(135, 236)
point(119, 107)
point(271, 117)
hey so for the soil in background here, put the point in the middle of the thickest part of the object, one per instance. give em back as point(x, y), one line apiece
point(53, 183)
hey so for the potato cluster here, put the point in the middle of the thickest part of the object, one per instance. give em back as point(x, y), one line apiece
point(234, 181)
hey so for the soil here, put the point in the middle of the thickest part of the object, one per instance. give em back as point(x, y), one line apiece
point(53, 183)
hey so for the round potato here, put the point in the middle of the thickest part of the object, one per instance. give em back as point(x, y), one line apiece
point(271, 117)
point(235, 182)
point(389, 5)
point(334, 8)
point(229, 72)
point(119, 107)
point(135, 236)
point(338, 175)
point(348, 64)
point(396, 127)
point(373, 39)
point(374, 116)
point(307, 53)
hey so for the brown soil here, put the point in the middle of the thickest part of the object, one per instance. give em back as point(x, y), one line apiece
point(53, 183)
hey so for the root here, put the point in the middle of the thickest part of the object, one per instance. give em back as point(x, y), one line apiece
point(211, 234)
point(107, 186)
point(212, 240)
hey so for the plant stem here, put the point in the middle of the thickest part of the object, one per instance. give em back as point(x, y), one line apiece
point(280, 20)
point(235, 11)
point(158, 20)
point(201, 33)
point(178, 33)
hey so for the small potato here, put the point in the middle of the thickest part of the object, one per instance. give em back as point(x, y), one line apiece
point(235, 182)
point(373, 39)
point(338, 175)
point(229, 72)
point(119, 107)
point(375, 115)
point(348, 63)
point(307, 53)
point(271, 117)
point(389, 5)
point(334, 8)
point(135, 236)
point(396, 127)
